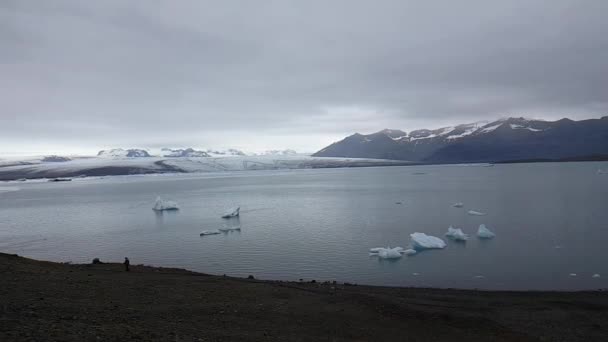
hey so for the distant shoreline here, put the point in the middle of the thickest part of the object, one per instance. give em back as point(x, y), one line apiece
point(48, 300)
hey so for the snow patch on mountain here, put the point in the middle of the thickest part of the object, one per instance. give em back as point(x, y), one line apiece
point(122, 153)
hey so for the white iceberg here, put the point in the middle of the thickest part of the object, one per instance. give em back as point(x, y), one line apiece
point(387, 253)
point(458, 205)
point(409, 251)
point(595, 275)
point(484, 233)
point(209, 232)
point(161, 204)
point(233, 212)
point(423, 241)
point(476, 213)
point(456, 234)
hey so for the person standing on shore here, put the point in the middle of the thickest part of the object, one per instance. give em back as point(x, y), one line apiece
point(127, 263)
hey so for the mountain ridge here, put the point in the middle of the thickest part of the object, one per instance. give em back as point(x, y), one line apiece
point(512, 138)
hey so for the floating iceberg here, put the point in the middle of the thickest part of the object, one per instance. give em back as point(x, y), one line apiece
point(458, 205)
point(484, 233)
point(595, 275)
point(573, 274)
point(423, 241)
point(476, 213)
point(456, 234)
point(161, 204)
point(210, 232)
point(229, 229)
point(409, 251)
point(387, 253)
point(233, 212)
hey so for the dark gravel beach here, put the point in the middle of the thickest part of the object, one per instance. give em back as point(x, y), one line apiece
point(45, 301)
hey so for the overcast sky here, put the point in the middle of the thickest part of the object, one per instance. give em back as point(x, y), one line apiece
point(78, 76)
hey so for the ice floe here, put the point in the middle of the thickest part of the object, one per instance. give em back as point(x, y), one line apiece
point(476, 213)
point(210, 232)
point(484, 233)
point(233, 212)
point(456, 234)
point(423, 241)
point(388, 253)
point(230, 229)
point(409, 251)
point(572, 274)
point(161, 204)
point(458, 205)
point(597, 275)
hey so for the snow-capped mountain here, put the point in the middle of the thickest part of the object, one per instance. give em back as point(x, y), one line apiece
point(501, 140)
point(231, 152)
point(122, 153)
point(181, 153)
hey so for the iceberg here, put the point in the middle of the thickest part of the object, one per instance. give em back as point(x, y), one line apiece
point(209, 232)
point(458, 205)
point(229, 229)
point(476, 213)
point(409, 251)
point(423, 241)
point(456, 234)
point(161, 204)
point(573, 274)
point(484, 233)
point(233, 212)
point(387, 253)
point(595, 275)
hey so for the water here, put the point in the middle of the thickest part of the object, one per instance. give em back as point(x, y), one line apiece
point(319, 224)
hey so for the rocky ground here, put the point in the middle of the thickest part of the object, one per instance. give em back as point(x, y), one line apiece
point(44, 301)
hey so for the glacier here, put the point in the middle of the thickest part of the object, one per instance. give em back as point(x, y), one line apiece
point(456, 234)
point(423, 241)
point(161, 205)
point(484, 233)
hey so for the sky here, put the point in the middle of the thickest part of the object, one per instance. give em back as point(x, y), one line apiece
point(80, 76)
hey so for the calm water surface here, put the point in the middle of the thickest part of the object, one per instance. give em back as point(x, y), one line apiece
point(551, 220)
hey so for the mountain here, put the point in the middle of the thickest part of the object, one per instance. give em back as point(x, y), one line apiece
point(188, 152)
point(122, 153)
point(508, 139)
point(231, 152)
point(55, 159)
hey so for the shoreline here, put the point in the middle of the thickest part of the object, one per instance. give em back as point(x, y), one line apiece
point(56, 301)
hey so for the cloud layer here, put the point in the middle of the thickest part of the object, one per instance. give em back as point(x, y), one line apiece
point(80, 75)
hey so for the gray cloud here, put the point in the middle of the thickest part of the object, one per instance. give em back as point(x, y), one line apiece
point(77, 76)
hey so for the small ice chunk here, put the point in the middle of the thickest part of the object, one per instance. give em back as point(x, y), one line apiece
point(558, 247)
point(484, 233)
point(387, 253)
point(423, 241)
point(476, 213)
point(479, 277)
point(209, 232)
point(597, 275)
point(409, 251)
point(233, 212)
point(456, 234)
point(573, 274)
point(458, 205)
point(415, 274)
point(229, 229)
point(161, 204)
